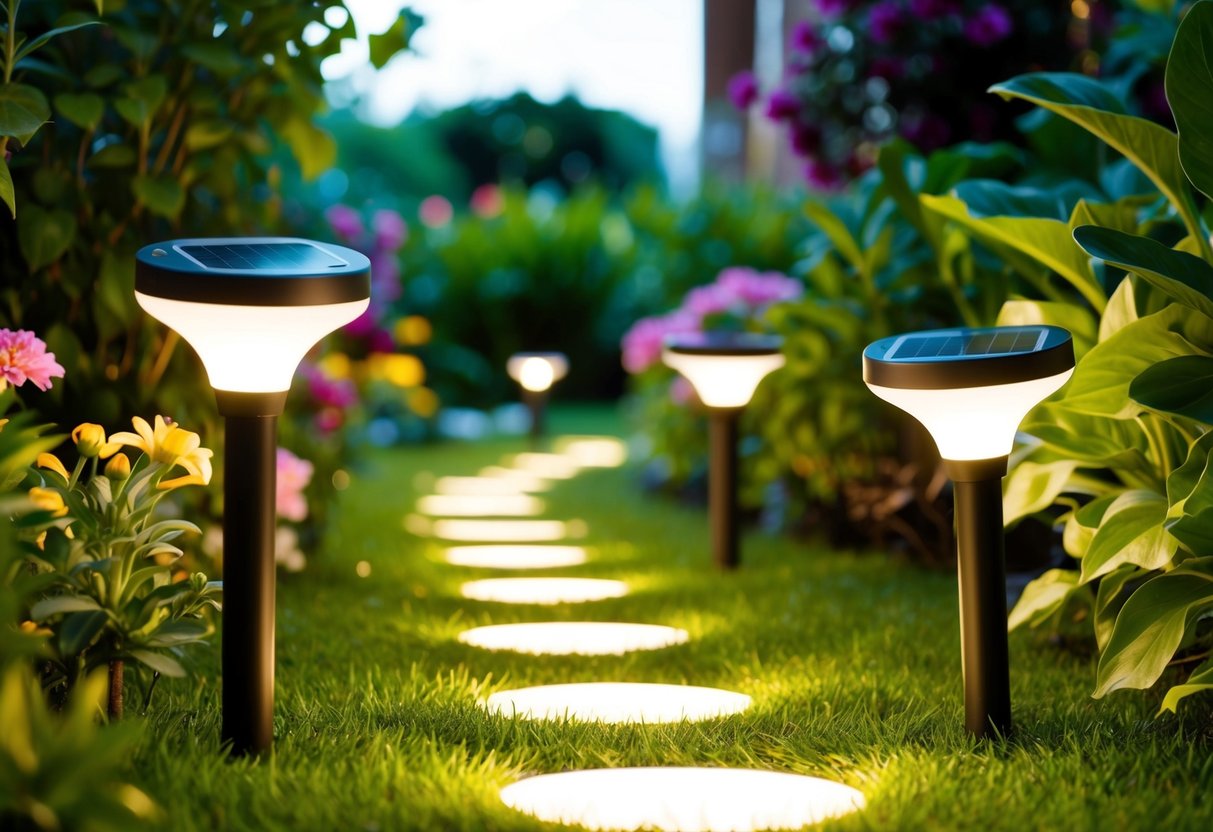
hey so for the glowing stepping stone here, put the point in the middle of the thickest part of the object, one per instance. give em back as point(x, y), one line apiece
point(548, 466)
point(515, 556)
point(500, 531)
point(543, 590)
point(569, 638)
point(480, 505)
point(617, 702)
point(487, 486)
point(597, 451)
point(521, 480)
point(682, 799)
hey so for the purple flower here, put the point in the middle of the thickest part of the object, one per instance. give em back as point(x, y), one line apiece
point(345, 222)
point(390, 230)
point(822, 176)
point(782, 105)
point(887, 67)
point(643, 343)
point(711, 299)
point(806, 39)
point(328, 391)
point(832, 8)
point(932, 9)
point(885, 21)
point(743, 89)
point(385, 277)
point(757, 289)
point(991, 24)
point(926, 132)
point(804, 138)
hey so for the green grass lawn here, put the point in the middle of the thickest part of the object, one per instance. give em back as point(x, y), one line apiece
point(852, 661)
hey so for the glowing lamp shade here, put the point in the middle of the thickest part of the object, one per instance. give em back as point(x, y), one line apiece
point(617, 702)
point(682, 799)
point(724, 368)
point(251, 307)
point(970, 387)
point(537, 371)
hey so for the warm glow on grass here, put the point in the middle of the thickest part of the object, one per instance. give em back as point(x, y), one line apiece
point(543, 590)
point(500, 531)
point(596, 451)
point(549, 466)
point(479, 487)
point(568, 638)
point(473, 505)
point(521, 480)
point(617, 702)
point(515, 556)
point(682, 799)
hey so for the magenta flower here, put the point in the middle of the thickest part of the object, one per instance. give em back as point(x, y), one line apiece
point(293, 476)
point(487, 201)
point(885, 21)
point(23, 357)
point(385, 277)
point(932, 9)
point(806, 39)
point(743, 89)
point(642, 344)
point(711, 299)
point(782, 105)
point(345, 222)
point(805, 138)
point(991, 24)
point(823, 176)
point(390, 230)
point(758, 290)
point(328, 391)
point(832, 8)
point(886, 66)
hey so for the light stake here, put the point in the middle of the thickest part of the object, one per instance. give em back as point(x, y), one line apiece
point(971, 388)
point(535, 373)
point(724, 369)
point(251, 308)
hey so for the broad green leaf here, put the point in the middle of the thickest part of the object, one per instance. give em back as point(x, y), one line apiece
point(314, 149)
point(1078, 320)
point(1190, 494)
point(44, 235)
point(1110, 587)
point(1151, 626)
point(223, 60)
point(1046, 241)
point(1043, 597)
point(83, 110)
point(1200, 680)
point(991, 198)
point(1082, 524)
point(1183, 276)
point(1100, 385)
point(162, 195)
point(47, 607)
point(385, 46)
point(162, 663)
point(40, 41)
point(78, 631)
point(115, 155)
point(837, 232)
point(6, 188)
point(23, 109)
point(203, 135)
point(1189, 83)
point(1133, 531)
point(1033, 487)
point(149, 91)
point(134, 111)
point(1088, 103)
point(1183, 386)
point(1120, 311)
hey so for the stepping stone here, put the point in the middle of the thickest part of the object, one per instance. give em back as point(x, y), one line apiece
point(574, 638)
point(517, 556)
point(548, 466)
point(543, 590)
point(596, 451)
point(617, 702)
point(522, 480)
point(492, 486)
point(501, 531)
point(682, 799)
point(480, 505)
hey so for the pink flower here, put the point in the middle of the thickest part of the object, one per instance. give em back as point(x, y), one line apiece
point(642, 344)
point(806, 39)
point(328, 391)
point(487, 201)
point(23, 357)
point(885, 21)
point(385, 276)
point(435, 211)
point(711, 299)
point(681, 391)
point(345, 222)
point(822, 176)
point(743, 89)
point(782, 105)
point(758, 289)
point(390, 230)
point(293, 476)
point(804, 138)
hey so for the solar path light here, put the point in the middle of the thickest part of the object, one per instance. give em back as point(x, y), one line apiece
point(251, 308)
point(724, 369)
point(535, 373)
point(971, 388)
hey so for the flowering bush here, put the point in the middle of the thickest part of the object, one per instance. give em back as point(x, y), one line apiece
point(864, 71)
point(23, 357)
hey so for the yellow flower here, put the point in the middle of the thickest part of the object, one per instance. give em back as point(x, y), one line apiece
point(3, 422)
point(90, 441)
point(198, 463)
point(30, 628)
point(118, 468)
point(48, 499)
point(164, 443)
point(52, 463)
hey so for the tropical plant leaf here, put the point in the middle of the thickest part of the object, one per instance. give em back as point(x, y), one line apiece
point(1183, 276)
point(1132, 531)
point(385, 46)
point(47, 607)
point(163, 195)
point(1106, 609)
point(1189, 83)
point(1033, 487)
point(1200, 680)
point(1183, 386)
point(1190, 494)
point(315, 150)
point(7, 194)
point(44, 235)
point(1151, 625)
point(162, 663)
point(1120, 311)
point(82, 109)
point(1077, 320)
point(40, 41)
point(23, 109)
point(78, 631)
point(1043, 597)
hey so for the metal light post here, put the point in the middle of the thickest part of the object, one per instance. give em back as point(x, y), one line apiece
point(535, 373)
point(251, 308)
point(971, 388)
point(724, 369)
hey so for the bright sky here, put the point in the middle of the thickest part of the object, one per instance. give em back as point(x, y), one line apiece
point(641, 56)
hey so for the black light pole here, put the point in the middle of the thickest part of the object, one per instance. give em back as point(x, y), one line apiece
point(535, 373)
point(725, 369)
point(251, 308)
point(971, 388)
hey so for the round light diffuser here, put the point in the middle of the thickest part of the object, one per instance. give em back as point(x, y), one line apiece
point(724, 368)
point(682, 799)
point(573, 638)
point(970, 387)
point(515, 556)
point(617, 702)
point(537, 371)
point(543, 590)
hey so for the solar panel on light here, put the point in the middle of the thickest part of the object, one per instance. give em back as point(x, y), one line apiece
point(258, 256)
point(958, 344)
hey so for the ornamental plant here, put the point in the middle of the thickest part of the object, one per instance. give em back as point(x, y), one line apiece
point(106, 559)
point(862, 72)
